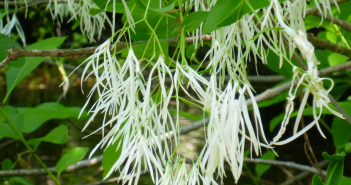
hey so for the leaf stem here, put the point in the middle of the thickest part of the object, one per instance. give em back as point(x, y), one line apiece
point(28, 147)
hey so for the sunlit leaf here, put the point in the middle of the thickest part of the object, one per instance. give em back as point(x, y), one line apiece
point(111, 155)
point(35, 117)
point(58, 136)
point(71, 157)
point(194, 20)
point(16, 74)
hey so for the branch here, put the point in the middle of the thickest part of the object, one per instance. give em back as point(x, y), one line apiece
point(28, 172)
point(16, 52)
point(344, 24)
point(321, 43)
point(303, 174)
point(314, 9)
point(286, 164)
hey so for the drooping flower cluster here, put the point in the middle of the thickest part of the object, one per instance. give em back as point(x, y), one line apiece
point(140, 122)
point(7, 29)
point(135, 106)
point(314, 84)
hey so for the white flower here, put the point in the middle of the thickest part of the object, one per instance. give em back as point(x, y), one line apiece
point(314, 84)
point(7, 30)
point(167, 176)
point(227, 130)
point(320, 100)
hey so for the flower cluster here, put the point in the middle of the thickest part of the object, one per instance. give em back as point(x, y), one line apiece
point(140, 122)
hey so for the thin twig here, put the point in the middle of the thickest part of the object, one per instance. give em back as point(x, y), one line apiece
point(16, 52)
point(285, 163)
point(29, 172)
point(303, 174)
point(344, 24)
point(315, 9)
point(325, 44)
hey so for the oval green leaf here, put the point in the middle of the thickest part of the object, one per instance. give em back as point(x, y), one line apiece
point(194, 20)
point(58, 136)
point(71, 157)
point(36, 116)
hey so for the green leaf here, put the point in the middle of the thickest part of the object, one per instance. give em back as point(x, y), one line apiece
point(71, 157)
point(348, 147)
point(335, 172)
point(317, 180)
point(6, 44)
point(194, 20)
point(119, 7)
point(7, 164)
point(16, 74)
point(226, 12)
point(16, 118)
point(243, 9)
point(101, 3)
point(18, 181)
point(281, 97)
point(95, 11)
point(345, 181)
point(142, 4)
point(111, 155)
point(273, 64)
point(58, 136)
point(191, 53)
point(164, 27)
point(187, 115)
point(35, 117)
point(150, 50)
point(341, 130)
point(154, 5)
point(340, 87)
point(221, 11)
point(262, 168)
point(334, 157)
point(187, 101)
